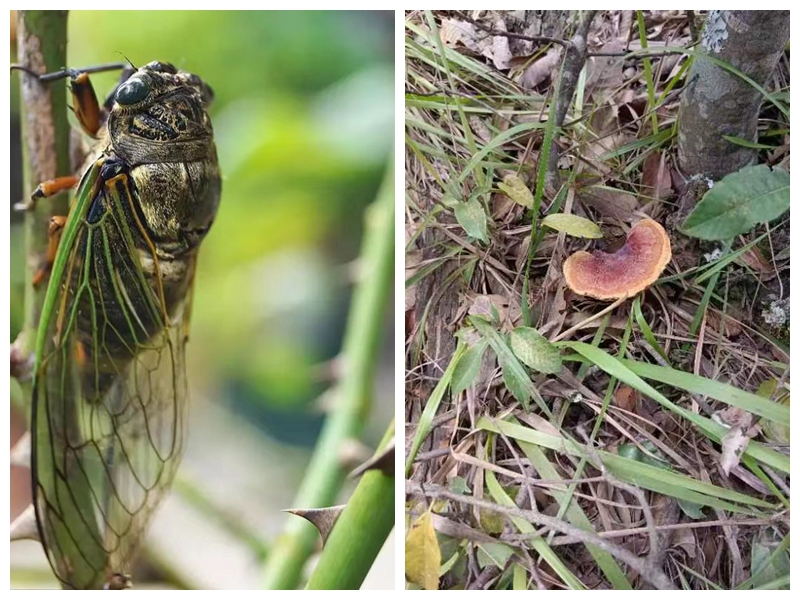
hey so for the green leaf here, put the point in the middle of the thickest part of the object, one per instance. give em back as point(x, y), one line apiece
point(691, 509)
point(655, 479)
point(500, 496)
point(632, 452)
point(617, 368)
point(724, 392)
point(746, 143)
point(494, 554)
point(739, 202)
point(520, 577)
point(472, 218)
point(468, 367)
point(515, 376)
point(458, 485)
point(775, 431)
point(516, 380)
point(574, 513)
point(425, 424)
point(533, 349)
point(573, 225)
point(515, 188)
point(768, 563)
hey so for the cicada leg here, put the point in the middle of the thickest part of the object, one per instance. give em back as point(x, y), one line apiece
point(53, 238)
point(85, 105)
point(46, 189)
point(49, 188)
point(118, 581)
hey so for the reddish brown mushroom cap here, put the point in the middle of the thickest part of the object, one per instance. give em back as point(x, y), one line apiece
point(627, 271)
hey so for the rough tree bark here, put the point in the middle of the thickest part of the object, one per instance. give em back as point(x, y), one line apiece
point(42, 47)
point(717, 102)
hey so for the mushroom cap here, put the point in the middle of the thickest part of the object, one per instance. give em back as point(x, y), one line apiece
point(624, 273)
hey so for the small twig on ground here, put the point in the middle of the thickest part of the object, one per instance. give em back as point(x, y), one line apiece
point(653, 576)
point(537, 39)
point(695, 33)
point(485, 578)
point(635, 491)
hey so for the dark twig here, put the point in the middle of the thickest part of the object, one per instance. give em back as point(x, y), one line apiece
point(574, 59)
point(654, 576)
point(635, 491)
point(485, 578)
point(537, 39)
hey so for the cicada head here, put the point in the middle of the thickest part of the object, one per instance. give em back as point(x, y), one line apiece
point(160, 115)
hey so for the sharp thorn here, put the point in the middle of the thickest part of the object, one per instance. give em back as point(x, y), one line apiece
point(383, 462)
point(322, 518)
point(24, 526)
point(21, 452)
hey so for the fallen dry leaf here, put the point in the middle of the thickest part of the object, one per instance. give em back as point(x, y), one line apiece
point(454, 31)
point(540, 69)
point(501, 53)
point(423, 556)
point(625, 397)
point(656, 178)
point(733, 416)
point(734, 443)
point(490, 306)
point(755, 259)
point(610, 203)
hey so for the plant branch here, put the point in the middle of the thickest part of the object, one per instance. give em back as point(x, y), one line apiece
point(359, 533)
point(42, 47)
point(325, 473)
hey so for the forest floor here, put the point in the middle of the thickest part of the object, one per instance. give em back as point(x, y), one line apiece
point(641, 443)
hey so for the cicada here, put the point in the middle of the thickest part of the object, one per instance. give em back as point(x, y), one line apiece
point(110, 393)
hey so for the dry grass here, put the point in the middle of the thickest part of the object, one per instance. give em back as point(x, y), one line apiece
point(477, 114)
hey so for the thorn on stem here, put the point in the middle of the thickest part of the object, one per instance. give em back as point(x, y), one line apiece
point(21, 362)
point(322, 518)
point(24, 526)
point(21, 452)
point(384, 462)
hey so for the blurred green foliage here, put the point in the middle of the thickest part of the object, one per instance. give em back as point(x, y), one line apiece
point(303, 119)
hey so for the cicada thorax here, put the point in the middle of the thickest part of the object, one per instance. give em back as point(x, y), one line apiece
point(110, 393)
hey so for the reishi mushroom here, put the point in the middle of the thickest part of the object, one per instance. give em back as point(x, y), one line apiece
point(624, 273)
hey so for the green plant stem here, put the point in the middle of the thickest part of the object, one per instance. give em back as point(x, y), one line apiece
point(325, 474)
point(42, 47)
point(359, 533)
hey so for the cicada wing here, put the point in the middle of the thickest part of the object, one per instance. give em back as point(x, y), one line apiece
point(110, 395)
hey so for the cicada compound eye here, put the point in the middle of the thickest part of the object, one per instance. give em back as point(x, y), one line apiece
point(132, 91)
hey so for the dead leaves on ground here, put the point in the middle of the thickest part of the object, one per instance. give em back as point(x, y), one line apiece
point(624, 172)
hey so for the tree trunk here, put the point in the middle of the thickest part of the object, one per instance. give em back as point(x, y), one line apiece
point(717, 102)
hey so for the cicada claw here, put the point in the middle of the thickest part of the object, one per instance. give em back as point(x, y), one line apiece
point(119, 581)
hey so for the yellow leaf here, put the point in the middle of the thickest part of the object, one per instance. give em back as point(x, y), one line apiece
point(573, 225)
point(515, 188)
point(423, 557)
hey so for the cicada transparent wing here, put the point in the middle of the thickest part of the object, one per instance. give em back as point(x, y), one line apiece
point(110, 390)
